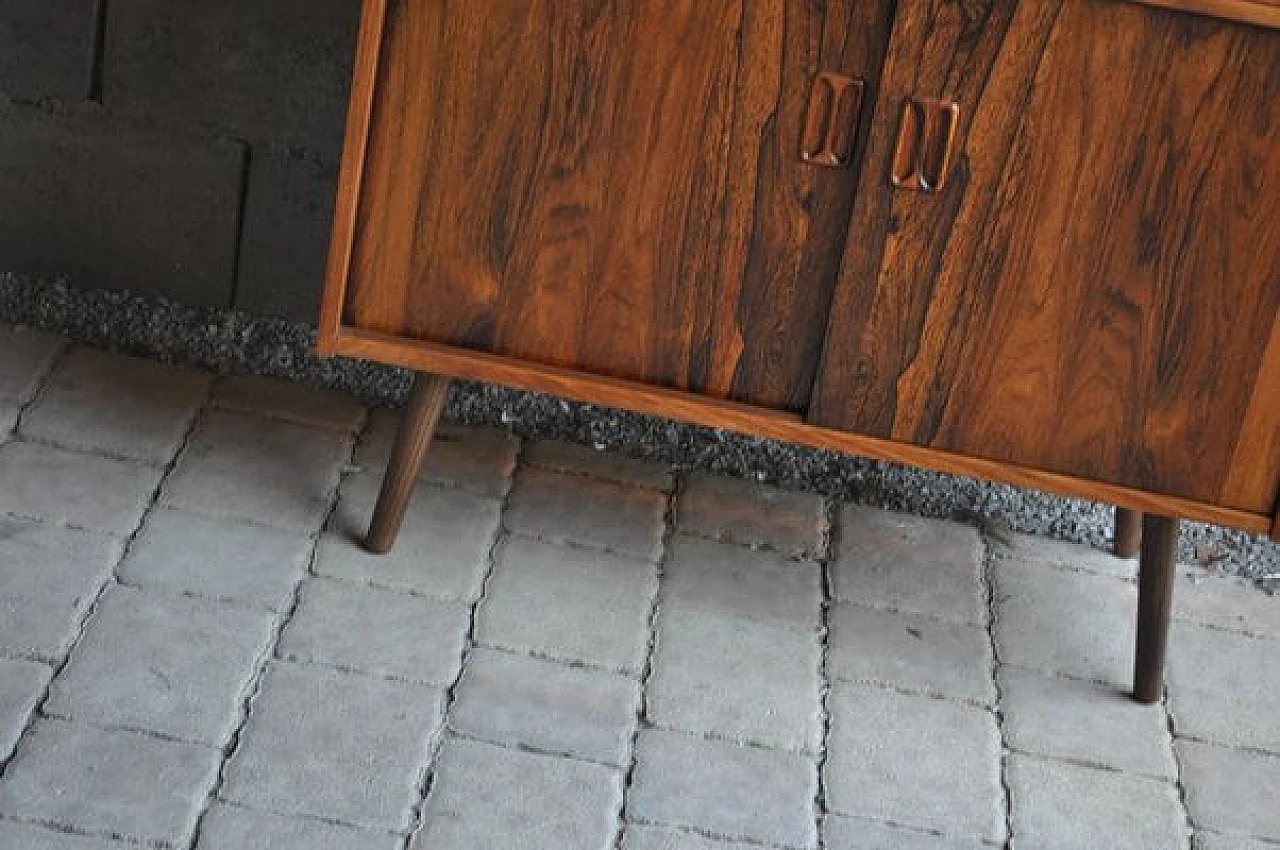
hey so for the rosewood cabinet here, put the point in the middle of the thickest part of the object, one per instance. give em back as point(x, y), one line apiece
point(1036, 241)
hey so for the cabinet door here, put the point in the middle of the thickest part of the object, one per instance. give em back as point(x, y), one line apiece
point(1094, 289)
point(615, 187)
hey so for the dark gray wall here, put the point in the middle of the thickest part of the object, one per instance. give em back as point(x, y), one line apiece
point(171, 147)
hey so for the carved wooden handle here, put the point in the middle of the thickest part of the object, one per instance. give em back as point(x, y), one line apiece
point(923, 155)
point(831, 125)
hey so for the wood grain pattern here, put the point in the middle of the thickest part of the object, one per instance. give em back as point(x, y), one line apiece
point(1252, 473)
point(615, 187)
point(1094, 291)
point(787, 427)
point(1263, 13)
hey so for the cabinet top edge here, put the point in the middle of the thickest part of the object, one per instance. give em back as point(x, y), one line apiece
point(1262, 13)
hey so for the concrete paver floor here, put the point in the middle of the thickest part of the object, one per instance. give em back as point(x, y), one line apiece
point(566, 649)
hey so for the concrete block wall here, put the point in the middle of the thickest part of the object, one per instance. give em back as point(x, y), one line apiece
point(176, 148)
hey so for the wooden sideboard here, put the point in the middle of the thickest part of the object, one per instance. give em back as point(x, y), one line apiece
point(1034, 241)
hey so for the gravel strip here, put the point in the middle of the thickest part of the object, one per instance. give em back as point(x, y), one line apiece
point(230, 342)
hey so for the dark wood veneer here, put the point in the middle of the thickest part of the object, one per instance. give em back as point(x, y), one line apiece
point(1095, 292)
point(612, 187)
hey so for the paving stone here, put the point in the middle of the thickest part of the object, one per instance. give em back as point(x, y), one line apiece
point(910, 651)
point(147, 209)
point(754, 514)
point(167, 664)
point(594, 463)
point(478, 460)
point(1029, 548)
point(898, 758)
point(376, 736)
point(1231, 790)
point(562, 804)
point(288, 218)
point(108, 782)
point(29, 355)
point(1084, 722)
point(121, 406)
point(1218, 841)
point(45, 47)
point(744, 793)
point(569, 604)
point(726, 580)
point(17, 836)
point(278, 70)
point(289, 401)
point(906, 563)
point(26, 357)
point(516, 700)
point(49, 575)
point(1059, 806)
point(87, 491)
point(665, 838)
point(738, 679)
point(218, 559)
point(1061, 622)
point(236, 828)
point(442, 550)
point(238, 466)
point(21, 685)
point(8, 418)
point(1222, 687)
point(843, 833)
point(561, 508)
point(1226, 603)
point(377, 631)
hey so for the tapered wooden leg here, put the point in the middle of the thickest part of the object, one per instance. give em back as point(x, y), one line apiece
point(1155, 602)
point(1128, 537)
point(426, 402)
